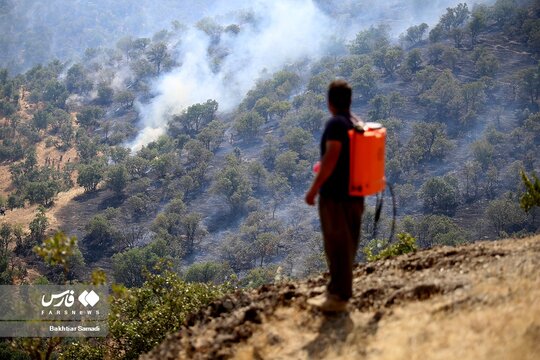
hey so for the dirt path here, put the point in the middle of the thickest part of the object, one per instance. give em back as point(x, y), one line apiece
point(479, 301)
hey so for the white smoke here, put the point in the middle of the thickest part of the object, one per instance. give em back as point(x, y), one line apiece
point(288, 31)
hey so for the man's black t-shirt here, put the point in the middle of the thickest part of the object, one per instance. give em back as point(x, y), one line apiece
point(337, 185)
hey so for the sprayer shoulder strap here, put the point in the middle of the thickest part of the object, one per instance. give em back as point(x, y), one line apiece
point(357, 122)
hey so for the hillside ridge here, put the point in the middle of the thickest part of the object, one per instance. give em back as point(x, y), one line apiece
point(475, 301)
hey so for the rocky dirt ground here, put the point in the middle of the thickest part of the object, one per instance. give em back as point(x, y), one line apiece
point(478, 301)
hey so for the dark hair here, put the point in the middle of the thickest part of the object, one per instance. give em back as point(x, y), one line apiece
point(340, 95)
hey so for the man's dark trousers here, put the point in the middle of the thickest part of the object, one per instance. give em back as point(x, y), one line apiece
point(340, 223)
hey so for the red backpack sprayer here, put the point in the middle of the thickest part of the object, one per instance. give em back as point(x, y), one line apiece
point(366, 168)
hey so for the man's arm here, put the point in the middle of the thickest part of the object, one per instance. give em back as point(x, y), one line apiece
point(328, 164)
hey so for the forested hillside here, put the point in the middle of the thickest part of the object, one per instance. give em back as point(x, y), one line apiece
point(37, 31)
point(190, 151)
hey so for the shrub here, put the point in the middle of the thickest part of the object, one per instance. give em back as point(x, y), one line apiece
point(141, 318)
point(381, 249)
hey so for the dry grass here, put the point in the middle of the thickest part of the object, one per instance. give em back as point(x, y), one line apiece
point(24, 216)
point(45, 154)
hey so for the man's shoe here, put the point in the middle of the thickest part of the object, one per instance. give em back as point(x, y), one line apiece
point(334, 303)
point(328, 303)
point(318, 300)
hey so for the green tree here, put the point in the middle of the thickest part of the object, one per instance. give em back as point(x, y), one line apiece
point(471, 176)
point(455, 17)
point(379, 108)
point(279, 188)
point(439, 196)
point(105, 95)
point(237, 253)
point(506, 216)
point(212, 135)
point(41, 119)
point(388, 59)
point(298, 140)
point(90, 175)
point(15, 201)
point(117, 178)
point(142, 69)
point(210, 27)
point(425, 79)
point(125, 98)
point(529, 84)
point(416, 33)
point(286, 164)
point(458, 35)
point(262, 107)
point(428, 142)
point(367, 41)
point(265, 245)
point(450, 57)
point(38, 226)
point(413, 61)
point(434, 230)
point(435, 52)
point(531, 197)
point(444, 98)
point(270, 151)
point(100, 238)
point(55, 93)
point(395, 103)
point(89, 115)
point(141, 317)
point(130, 266)
point(279, 109)
point(477, 24)
point(259, 276)
point(194, 118)
point(311, 119)
point(232, 182)
point(58, 119)
point(158, 55)
point(42, 192)
point(364, 81)
point(483, 153)
point(208, 272)
point(473, 96)
point(181, 230)
point(436, 34)
point(485, 62)
point(6, 238)
point(248, 125)
point(193, 230)
point(137, 166)
point(138, 206)
point(258, 174)
point(63, 251)
point(76, 80)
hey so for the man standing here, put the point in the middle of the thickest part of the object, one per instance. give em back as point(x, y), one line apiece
point(340, 214)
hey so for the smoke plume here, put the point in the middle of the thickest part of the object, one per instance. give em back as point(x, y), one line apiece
point(284, 32)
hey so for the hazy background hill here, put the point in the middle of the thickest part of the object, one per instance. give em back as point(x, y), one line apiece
point(37, 31)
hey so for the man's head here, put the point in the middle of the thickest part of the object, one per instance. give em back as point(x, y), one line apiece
point(339, 96)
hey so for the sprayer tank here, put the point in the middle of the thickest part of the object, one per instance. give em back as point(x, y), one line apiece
point(367, 157)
